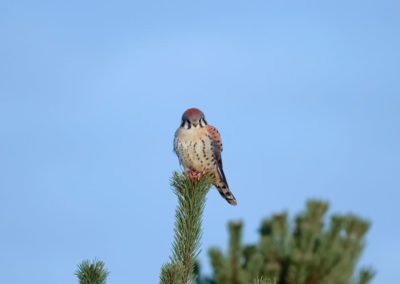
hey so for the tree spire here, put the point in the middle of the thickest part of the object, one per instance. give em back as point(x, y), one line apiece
point(188, 220)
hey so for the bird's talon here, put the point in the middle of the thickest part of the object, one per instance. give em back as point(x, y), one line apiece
point(195, 175)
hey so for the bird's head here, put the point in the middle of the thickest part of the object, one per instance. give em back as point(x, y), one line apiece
point(193, 117)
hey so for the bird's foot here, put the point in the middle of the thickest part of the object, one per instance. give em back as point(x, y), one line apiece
point(195, 175)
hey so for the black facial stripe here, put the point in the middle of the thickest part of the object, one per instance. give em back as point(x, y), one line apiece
point(203, 122)
point(183, 123)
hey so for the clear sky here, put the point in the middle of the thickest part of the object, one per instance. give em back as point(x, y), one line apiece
point(306, 96)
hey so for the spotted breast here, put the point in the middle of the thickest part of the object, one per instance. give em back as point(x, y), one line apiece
point(195, 149)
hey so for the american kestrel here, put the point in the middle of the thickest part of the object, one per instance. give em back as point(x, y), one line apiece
point(198, 147)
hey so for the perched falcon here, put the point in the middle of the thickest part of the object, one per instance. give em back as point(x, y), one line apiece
point(198, 147)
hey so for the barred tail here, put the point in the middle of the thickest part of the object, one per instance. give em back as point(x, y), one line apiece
point(223, 189)
point(222, 185)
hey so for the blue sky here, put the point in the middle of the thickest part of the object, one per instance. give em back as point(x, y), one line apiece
point(306, 96)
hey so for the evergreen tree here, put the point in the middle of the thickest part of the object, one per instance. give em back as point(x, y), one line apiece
point(309, 253)
point(188, 218)
point(92, 272)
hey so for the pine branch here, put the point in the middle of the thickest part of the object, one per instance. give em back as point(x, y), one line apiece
point(172, 273)
point(92, 272)
point(220, 266)
point(188, 219)
point(235, 251)
point(308, 253)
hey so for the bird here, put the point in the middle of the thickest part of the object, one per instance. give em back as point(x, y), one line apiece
point(198, 146)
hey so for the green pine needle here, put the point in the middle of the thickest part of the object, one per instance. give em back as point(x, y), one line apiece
point(188, 219)
point(92, 272)
point(311, 251)
point(172, 273)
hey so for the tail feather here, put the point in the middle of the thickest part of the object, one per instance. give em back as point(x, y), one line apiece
point(222, 185)
point(223, 189)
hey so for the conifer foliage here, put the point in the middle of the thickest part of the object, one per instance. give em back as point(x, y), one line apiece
point(309, 253)
point(188, 219)
point(92, 272)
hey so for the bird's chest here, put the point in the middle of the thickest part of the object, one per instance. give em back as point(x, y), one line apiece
point(195, 150)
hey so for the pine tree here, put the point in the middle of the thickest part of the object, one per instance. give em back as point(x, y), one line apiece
point(188, 219)
point(309, 253)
